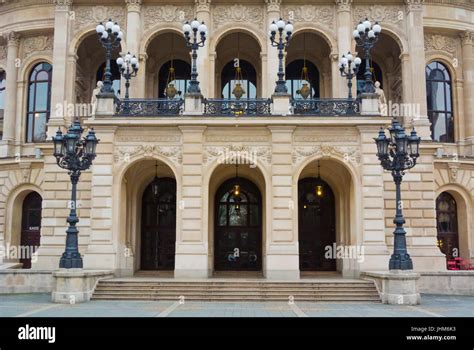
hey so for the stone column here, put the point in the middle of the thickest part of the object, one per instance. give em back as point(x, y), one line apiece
point(467, 39)
point(203, 13)
point(344, 43)
point(60, 56)
point(336, 79)
point(191, 241)
point(282, 259)
point(133, 43)
point(269, 76)
point(417, 80)
point(9, 121)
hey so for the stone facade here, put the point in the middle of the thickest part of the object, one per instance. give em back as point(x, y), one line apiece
point(187, 147)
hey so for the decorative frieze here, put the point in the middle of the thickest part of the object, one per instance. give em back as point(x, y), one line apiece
point(37, 43)
point(438, 42)
point(148, 138)
point(323, 15)
point(127, 153)
point(166, 13)
point(255, 153)
point(348, 153)
point(237, 138)
point(223, 14)
point(91, 15)
point(382, 14)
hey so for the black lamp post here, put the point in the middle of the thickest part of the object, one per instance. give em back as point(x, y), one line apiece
point(284, 29)
point(397, 154)
point(349, 66)
point(366, 35)
point(194, 43)
point(75, 155)
point(110, 37)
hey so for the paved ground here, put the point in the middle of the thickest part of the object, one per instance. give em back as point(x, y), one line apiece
point(39, 305)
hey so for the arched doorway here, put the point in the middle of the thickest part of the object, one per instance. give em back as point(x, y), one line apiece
point(248, 79)
point(316, 224)
point(30, 227)
point(238, 226)
point(301, 72)
point(447, 225)
point(158, 225)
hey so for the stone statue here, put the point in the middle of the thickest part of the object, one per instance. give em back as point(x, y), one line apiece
point(95, 92)
point(382, 100)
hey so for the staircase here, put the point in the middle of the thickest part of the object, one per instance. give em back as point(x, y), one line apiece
point(236, 290)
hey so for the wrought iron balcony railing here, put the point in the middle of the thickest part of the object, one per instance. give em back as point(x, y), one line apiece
point(326, 107)
point(222, 106)
point(148, 107)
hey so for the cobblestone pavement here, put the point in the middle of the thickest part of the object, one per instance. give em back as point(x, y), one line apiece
point(40, 305)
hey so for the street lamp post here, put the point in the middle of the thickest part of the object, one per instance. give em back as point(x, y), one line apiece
point(128, 66)
point(75, 155)
point(285, 30)
point(398, 153)
point(191, 31)
point(110, 37)
point(349, 67)
point(366, 35)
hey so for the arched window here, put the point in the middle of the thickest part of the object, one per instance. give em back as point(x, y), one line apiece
point(182, 75)
point(447, 225)
point(439, 100)
point(115, 76)
point(39, 102)
point(376, 75)
point(295, 79)
point(249, 80)
point(2, 92)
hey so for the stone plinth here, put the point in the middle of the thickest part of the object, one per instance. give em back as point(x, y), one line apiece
point(370, 104)
point(193, 104)
point(396, 287)
point(72, 286)
point(281, 104)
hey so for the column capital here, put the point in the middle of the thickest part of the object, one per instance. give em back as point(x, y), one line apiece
point(414, 5)
point(467, 38)
point(334, 57)
point(203, 5)
point(133, 5)
point(273, 5)
point(13, 38)
point(62, 5)
point(343, 5)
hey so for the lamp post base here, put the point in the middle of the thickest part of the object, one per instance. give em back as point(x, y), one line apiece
point(400, 262)
point(74, 261)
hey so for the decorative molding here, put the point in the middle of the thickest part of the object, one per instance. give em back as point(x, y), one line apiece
point(25, 169)
point(438, 42)
point(167, 13)
point(202, 5)
point(12, 38)
point(133, 5)
point(467, 37)
point(327, 137)
point(453, 171)
point(414, 5)
point(349, 153)
point(37, 43)
point(223, 14)
point(92, 15)
point(148, 138)
point(126, 153)
point(62, 5)
point(237, 138)
point(261, 153)
point(273, 5)
point(343, 5)
point(323, 15)
point(380, 13)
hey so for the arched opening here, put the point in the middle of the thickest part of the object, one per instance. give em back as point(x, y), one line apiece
point(30, 228)
point(447, 226)
point(238, 226)
point(376, 75)
point(316, 224)
point(39, 102)
point(308, 49)
point(90, 68)
point(3, 80)
point(158, 229)
point(440, 102)
point(238, 61)
point(168, 63)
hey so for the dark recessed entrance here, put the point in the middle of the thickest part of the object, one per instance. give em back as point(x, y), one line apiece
point(30, 228)
point(238, 227)
point(316, 224)
point(158, 236)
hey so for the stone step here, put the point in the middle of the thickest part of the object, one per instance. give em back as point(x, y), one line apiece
point(224, 290)
point(345, 298)
point(236, 285)
point(234, 292)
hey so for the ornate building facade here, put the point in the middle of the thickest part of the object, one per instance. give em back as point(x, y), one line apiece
point(51, 60)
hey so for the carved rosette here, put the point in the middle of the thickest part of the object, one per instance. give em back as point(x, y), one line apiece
point(438, 42)
point(323, 15)
point(127, 153)
point(350, 154)
point(37, 43)
point(86, 16)
point(167, 13)
point(382, 14)
point(239, 151)
point(238, 13)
